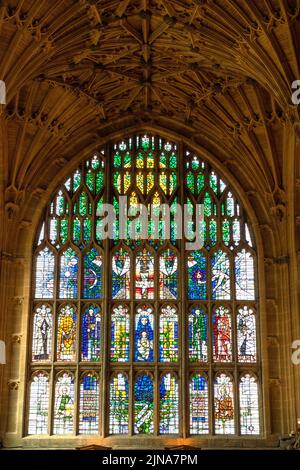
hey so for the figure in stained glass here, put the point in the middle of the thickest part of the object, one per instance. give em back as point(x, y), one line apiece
point(42, 334)
point(66, 347)
point(90, 346)
point(144, 335)
point(222, 335)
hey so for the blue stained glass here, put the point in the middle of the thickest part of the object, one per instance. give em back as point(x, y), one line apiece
point(91, 322)
point(143, 405)
point(121, 275)
point(144, 334)
point(119, 349)
point(89, 405)
point(196, 264)
point(92, 277)
point(197, 335)
point(68, 275)
point(44, 277)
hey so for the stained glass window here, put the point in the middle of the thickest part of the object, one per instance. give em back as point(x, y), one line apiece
point(198, 347)
point(199, 423)
point(197, 273)
point(89, 404)
point(38, 404)
point(44, 283)
point(92, 277)
point(222, 335)
point(249, 411)
point(246, 335)
point(144, 325)
point(121, 275)
point(163, 322)
point(118, 404)
point(66, 334)
point(168, 405)
point(68, 275)
point(42, 333)
point(143, 405)
point(63, 420)
point(119, 349)
point(224, 405)
point(168, 334)
point(90, 333)
point(168, 275)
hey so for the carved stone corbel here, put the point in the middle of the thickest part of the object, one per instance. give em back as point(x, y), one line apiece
point(13, 384)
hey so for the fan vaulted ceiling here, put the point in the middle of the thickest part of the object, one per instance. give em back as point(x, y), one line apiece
point(219, 72)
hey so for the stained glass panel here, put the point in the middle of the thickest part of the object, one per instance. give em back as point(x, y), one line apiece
point(168, 405)
point(119, 351)
point(66, 334)
point(121, 275)
point(222, 335)
point(144, 325)
point(199, 420)
point(246, 335)
point(220, 272)
point(168, 275)
point(44, 276)
point(144, 275)
point(90, 334)
point(197, 271)
point(63, 421)
point(118, 404)
point(38, 404)
point(197, 335)
point(89, 404)
point(92, 277)
point(143, 405)
point(244, 276)
point(224, 405)
point(68, 288)
point(168, 334)
point(42, 333)
point(249, 409)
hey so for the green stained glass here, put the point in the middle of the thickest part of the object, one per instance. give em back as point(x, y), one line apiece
point(76, 231)
point(116, 224)
point(145, 142)
point(173, 161)
point(140, 181)
point(213, 231)
point(87, 230)
point(200, 182)
point(190, 181)
point(150, 160)
point(163, 182)
point(90, 180)
point(162, 161)
point(226, 231)
point(117, 181)
point(64, 230)
point(83, 204)
point(76, 180)
point(195, 163)
point(140, 161)
point(190, 212)
point(213, 182)
point(99, 181)
point(95, 162)
point(127, 160)
point(207, 205)
point(117, 160)
point(173, 182)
